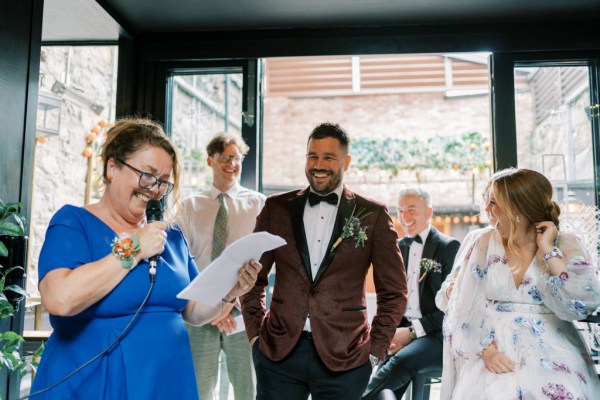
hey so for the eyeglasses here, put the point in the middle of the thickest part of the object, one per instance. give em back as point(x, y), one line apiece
point(148, 181)
point(228, 159)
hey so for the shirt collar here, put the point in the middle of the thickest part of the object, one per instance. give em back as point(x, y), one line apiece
point(231, 192)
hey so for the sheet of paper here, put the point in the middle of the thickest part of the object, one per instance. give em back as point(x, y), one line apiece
point(217, 279)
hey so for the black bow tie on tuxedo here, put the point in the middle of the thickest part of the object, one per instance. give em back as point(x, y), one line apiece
point(331, 198)
point(417, 239)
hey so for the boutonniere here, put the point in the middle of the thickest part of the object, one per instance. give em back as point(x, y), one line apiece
point(353, 229)
point(428, 265)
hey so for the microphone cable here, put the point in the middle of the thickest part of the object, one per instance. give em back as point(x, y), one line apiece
point(102, 353)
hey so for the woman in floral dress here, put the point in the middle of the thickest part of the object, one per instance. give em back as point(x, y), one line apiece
point(519, 287)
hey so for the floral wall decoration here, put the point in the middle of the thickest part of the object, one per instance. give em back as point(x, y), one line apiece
point(94, 139)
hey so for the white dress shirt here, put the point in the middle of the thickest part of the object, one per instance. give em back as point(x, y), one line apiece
point(199, 211)
point(319, 221)
point(413, 273)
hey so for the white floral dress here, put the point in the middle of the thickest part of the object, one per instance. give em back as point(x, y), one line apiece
point(531, 324)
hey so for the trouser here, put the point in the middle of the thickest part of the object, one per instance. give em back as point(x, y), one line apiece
point(207, 342)
point(302, 373)
point(398, 370)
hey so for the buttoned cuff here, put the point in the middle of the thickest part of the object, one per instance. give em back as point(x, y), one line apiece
point(418, 328)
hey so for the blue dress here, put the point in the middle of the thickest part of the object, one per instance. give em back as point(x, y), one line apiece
point(153, 360)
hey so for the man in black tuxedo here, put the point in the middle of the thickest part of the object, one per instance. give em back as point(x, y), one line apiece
point(428, 256)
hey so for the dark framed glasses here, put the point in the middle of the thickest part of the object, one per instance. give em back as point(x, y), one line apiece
point(148, 181)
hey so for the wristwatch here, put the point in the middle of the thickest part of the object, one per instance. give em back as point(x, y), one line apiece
point(554, 253)
point(412, 334)
point(375, 361)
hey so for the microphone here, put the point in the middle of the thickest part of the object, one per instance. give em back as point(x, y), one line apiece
point(154, 212)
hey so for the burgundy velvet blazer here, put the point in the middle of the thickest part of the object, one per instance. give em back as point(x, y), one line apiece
point(336, 298)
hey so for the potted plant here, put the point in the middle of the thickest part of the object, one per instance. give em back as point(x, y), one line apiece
point(13, 252)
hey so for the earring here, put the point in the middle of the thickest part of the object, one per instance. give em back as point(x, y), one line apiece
point(518, 218)
point(109, 177)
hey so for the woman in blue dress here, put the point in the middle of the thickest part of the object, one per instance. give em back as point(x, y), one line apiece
point(94, 276)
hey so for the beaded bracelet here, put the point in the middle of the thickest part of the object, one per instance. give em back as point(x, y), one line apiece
point(126, 249)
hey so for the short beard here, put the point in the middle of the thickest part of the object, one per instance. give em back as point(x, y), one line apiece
point(336, 180)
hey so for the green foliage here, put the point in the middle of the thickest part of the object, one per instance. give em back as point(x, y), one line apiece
point(12, 222)
point(6, 308)
point(440, 152)
point(197, 155)
point(10, 342)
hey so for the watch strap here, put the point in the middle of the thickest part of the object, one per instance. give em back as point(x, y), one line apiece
point(412, 334)
point(554, 253)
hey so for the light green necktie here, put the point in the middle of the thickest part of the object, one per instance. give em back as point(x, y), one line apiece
point(220, 231)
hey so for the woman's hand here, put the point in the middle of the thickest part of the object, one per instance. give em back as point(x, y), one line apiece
point(449, 290)
point(547, 232)
point(153, 238)
point(246, 279)
point(198, 314)
point(496, 361)
point(226, 323)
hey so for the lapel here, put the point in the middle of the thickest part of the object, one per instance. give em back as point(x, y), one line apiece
point(428, 252)
point(430, 244)
point(345, 208)
point(404, 247)
point(298, 204)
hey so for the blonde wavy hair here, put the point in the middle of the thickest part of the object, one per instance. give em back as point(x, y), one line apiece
point(526, 194)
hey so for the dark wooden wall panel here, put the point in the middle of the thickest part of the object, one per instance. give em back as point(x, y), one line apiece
point(20, 42)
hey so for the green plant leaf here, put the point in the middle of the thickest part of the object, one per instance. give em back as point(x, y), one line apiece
point(11, 337)
point(6, 309)
point(11, 229)
point(17, 289)
point(3, 250)
point(8, 271)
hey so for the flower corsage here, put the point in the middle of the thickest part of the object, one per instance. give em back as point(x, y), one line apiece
point(126, 249)
point(428, 265)
point(353, 229)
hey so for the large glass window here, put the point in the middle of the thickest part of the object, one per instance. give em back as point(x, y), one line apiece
point(203, 104)
point(554, 136)
point(554, 132)
point(418, 119)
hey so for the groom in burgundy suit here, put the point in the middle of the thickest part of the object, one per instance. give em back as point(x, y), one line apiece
point(315, 339)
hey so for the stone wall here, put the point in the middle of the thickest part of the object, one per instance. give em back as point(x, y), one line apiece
point(60, 168)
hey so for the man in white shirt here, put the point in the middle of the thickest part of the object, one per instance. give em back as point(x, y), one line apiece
point(211, 220)
point(429, 256)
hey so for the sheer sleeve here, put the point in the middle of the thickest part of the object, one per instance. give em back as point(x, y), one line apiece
point(575, 293)
point(441, 299)
point(467, 330)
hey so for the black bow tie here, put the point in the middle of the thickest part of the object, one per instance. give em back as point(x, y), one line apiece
point(331, 198)
point(417, 239)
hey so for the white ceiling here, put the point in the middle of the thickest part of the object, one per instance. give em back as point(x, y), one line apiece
point(66, 20)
